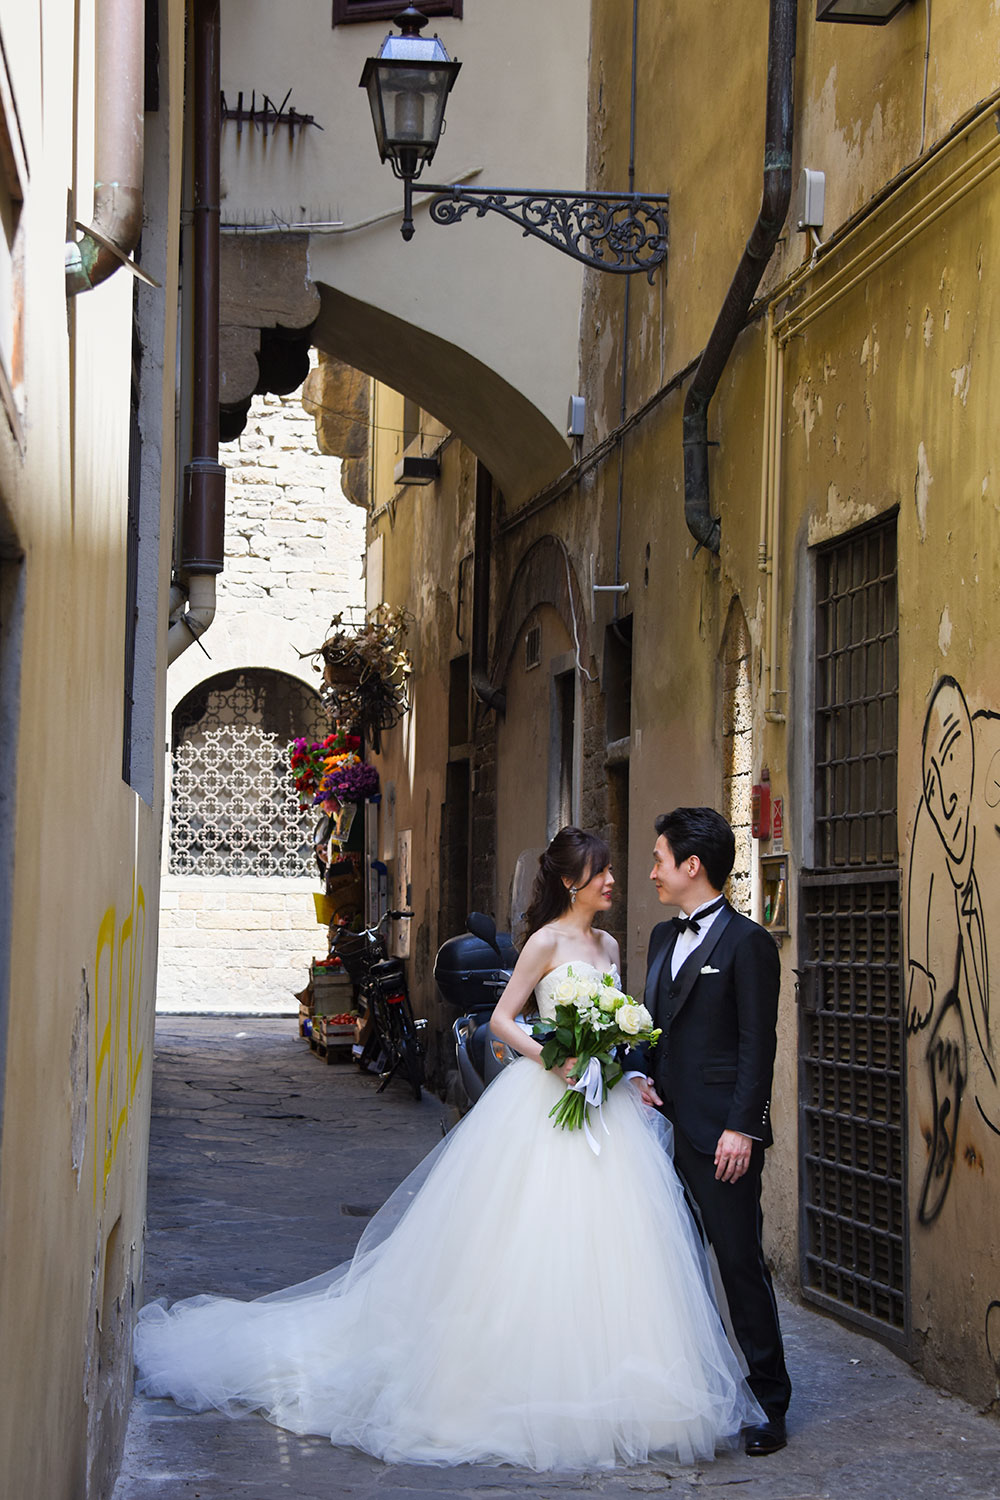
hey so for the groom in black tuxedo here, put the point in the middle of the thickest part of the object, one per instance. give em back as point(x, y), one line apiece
point(712, 983)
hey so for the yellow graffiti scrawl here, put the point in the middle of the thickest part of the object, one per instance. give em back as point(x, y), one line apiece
point(118, 1061)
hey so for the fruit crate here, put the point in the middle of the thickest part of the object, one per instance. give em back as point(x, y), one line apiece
point(333, 1036)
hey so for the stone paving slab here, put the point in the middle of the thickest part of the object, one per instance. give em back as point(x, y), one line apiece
point(263, 1165)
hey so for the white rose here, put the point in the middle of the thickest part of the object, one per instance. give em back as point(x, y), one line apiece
point(583, 997)
point(630, 1018)
point(566, 991)
point(646, 1020)
point(612, 999)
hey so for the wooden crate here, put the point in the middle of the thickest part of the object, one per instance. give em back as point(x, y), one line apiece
point(332, 1040)
point(332, 992)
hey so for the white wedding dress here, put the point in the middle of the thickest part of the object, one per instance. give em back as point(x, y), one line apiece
point(517, 1300)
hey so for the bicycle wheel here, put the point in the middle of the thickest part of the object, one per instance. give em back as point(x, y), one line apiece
point(374, 1053)
point(411, 1056)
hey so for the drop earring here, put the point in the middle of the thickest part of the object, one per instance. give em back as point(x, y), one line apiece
point(572, 895)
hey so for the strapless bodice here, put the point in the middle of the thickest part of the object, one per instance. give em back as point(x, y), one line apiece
point(546, 990)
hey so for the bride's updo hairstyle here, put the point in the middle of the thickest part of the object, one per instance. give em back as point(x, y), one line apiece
point(573, 855)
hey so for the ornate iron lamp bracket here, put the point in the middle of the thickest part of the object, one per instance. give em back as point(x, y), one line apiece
point(620, 232)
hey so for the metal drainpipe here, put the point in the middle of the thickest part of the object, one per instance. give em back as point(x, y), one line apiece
point(484, 690)
point(705, 528)
point(623, 404)
point(118, 147)
point(204, 509)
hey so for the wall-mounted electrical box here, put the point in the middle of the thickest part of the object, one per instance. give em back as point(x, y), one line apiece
point(810, 199)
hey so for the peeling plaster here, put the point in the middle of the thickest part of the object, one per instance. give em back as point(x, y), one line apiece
point(922, 481)
point(804, 409)
point(79, 1053)
point(928, 326)
point(960, 382)
point(841, 515)
point(944, 632)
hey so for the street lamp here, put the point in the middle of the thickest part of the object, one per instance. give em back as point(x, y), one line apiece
point(408, 85)
point(859, 12)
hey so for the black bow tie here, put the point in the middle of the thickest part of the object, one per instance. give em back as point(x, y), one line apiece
point(693, 924)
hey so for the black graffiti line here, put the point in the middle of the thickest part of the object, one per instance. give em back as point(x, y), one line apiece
point(915, 1024)
point(993, 1307)
point(946, 1061)
point(986, 1119)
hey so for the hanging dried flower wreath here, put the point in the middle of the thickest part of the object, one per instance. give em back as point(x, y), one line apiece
point(366, 671)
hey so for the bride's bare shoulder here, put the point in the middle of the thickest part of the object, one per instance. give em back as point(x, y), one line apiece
point(610, 946)
point(540, 948)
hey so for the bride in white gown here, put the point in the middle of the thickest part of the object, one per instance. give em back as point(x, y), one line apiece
point(518, 1299)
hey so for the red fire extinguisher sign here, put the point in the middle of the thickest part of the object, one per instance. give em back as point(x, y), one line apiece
point(760, 807)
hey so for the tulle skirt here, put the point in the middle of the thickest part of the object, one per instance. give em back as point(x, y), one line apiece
point(518, 1299)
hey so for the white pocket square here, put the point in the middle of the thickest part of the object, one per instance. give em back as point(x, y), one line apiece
point(709, 970)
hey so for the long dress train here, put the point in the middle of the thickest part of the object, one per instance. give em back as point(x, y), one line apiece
point(517, 1300)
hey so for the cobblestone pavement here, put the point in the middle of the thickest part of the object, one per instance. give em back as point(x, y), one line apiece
point(264, 1163)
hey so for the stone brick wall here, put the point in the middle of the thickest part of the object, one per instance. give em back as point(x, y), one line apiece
point(293, 542)
point(294, 546)
point(236, 945)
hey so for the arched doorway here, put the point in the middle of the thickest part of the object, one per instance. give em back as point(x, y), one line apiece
point(237, 916)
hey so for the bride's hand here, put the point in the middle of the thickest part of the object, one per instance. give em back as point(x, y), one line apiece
point(565, 1070)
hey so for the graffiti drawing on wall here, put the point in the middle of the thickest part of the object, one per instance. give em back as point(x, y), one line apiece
point(118, 1059)
point(953, 905)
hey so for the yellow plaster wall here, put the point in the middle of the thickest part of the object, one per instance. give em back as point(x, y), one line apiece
point(427, 529)
point(84, 896)
point(887, 403)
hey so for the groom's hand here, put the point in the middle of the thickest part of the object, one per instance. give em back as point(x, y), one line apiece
point(732, 1156)
point(647, 1090)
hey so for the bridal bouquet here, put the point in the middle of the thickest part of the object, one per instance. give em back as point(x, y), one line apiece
point(592, 1017)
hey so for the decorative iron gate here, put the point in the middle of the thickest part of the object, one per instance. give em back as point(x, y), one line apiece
point(851, 1036)
point(233, 807)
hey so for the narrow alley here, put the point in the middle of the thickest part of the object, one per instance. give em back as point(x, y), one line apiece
point(264, 1166)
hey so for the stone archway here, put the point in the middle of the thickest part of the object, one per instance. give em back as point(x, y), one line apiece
point(544, 575)
point(237, 917)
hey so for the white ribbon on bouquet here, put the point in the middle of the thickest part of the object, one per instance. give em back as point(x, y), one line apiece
point(591, 1086)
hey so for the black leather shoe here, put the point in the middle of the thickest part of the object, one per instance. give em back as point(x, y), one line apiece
point(767, 1438)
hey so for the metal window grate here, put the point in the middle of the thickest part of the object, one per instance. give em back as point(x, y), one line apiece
point(854, 1241)
point(857, 677)
point(234, 809)
point(851, 1048)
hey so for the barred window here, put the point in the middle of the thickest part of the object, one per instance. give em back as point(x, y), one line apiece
point(234, 809)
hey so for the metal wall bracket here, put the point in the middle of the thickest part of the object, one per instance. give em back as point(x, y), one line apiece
point(602, 588)
point(619, 232)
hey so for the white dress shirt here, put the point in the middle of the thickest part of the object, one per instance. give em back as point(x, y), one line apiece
point(688, 941)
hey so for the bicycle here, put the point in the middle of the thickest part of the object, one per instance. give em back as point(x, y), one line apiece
point(394, 1044)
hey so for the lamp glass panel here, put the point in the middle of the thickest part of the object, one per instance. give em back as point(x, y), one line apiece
point(413, 101)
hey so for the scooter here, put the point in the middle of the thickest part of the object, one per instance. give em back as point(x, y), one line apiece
point(471, 970)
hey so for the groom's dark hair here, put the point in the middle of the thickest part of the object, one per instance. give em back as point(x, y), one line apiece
point(701, 831)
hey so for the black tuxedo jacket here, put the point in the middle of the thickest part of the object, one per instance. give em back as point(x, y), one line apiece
point(714, 1061)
